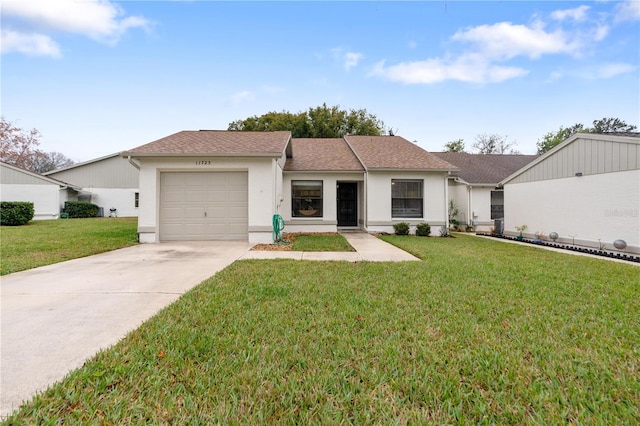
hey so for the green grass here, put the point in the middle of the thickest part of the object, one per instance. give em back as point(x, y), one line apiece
point(44, 242)
point(320, 242)
point(479, 332)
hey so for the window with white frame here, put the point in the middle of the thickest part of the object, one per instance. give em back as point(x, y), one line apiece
point(306, 198)
point(406, 198)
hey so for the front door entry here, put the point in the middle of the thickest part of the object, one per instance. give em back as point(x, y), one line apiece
point(347, 203)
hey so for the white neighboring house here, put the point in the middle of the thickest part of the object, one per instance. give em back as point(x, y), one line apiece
point(587, 189)
point(48, 195)
point(474, 189)
point(111, 182)
point(227, 185)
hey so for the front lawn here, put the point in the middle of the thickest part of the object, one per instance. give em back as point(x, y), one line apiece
point(320, 242)
point(478, 332)
point(43, 242)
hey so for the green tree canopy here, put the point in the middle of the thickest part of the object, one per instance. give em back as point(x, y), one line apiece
point(604, 125)
point(454, 146)
point(318, 122)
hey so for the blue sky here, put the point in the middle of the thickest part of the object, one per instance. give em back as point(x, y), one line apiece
point(97, 77)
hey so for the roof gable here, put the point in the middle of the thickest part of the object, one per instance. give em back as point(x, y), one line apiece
point(12, 174)
point(485, 168)
point(394, 153)
point(215, 143)
point(329, 154)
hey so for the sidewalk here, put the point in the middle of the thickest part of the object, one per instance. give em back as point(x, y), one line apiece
point(368, 248)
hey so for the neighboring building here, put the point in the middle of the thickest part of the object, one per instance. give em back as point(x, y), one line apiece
point(110, 182)
point(47, 195)
point(208, 185)
point(474, 189)
point(587, 189)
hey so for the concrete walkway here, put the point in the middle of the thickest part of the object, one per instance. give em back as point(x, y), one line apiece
point(368, 248)
point(55, 317)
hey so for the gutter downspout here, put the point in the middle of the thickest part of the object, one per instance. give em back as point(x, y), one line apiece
point(446, 201)
point(133, 163)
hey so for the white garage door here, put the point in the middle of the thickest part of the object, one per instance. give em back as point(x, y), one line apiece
point(203, 206)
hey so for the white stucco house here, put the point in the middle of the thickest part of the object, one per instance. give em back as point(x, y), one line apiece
point(110, 182)
point(216, 185)
point(586, 189)
point(48, 195)
point(474, 188)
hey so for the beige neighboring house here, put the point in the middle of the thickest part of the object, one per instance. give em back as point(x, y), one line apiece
point(586, 189)
point(110, 182)
point(474, 189)
point(217, 185)
point(48, 195)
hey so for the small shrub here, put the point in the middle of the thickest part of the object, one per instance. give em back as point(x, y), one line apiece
point(401, 228)
point(16, 213)
point(79, 209)
point(444, 232)
point(423, 229)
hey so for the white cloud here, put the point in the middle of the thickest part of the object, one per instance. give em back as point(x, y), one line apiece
point(468, 68)
point(351, 59)
point(346, 58)
point(628, 10)
point(505, 40)
point(578, 14)
point(99, 20)
point(612, 70)
point(28, 44)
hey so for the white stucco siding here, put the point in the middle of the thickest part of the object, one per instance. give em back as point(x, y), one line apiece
point(601, 207)
point(123, 200)
point(261, 191)
point(329, 220)
point(45, 198)
point(459, 193)
point(481, 207)
point(379, 199)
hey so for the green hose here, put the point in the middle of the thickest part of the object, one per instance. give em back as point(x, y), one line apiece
point(278, 226)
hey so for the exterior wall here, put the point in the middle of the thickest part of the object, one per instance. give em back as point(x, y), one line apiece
point(123, 200)
point(459, 193)
point(435, 193)
point(481, 207)
point(329, 221)
point(109, 172)
point(582, 209)
point(261, 189)
point(45, 197)
point(111, 181)
point(589, 154)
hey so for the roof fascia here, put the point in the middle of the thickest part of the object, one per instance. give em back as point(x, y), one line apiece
point(127, 154)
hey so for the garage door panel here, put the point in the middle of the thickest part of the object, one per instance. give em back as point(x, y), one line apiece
point(186, 196)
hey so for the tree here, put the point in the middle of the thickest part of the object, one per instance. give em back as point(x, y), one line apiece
point(318, 122)
point(454, 146)
point(611, 125)
point(552, 139)
point(19, 147)
point(493, 144)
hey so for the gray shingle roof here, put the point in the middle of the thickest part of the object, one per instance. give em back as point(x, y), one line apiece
point(321, 155)
point(215, 142)
point(394, 152)
point(485, 168)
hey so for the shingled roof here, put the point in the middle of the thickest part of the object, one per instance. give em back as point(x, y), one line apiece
point(215, 143)
point(321, 155)
point(485, 168)
point(394, 153)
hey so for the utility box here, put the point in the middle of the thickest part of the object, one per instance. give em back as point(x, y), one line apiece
point(498, 226)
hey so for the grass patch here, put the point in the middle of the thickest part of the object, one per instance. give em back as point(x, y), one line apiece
point(44, 242)
point(478, 332)
point(320, 242)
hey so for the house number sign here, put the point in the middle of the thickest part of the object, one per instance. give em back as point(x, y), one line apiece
point(203, 163)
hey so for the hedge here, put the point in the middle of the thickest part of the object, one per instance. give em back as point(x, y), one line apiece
point(16, 213)
point(78, 209)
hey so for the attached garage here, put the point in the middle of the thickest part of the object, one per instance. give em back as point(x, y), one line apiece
point(203, 206)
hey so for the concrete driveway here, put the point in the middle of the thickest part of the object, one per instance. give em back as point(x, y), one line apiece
point(55, 317)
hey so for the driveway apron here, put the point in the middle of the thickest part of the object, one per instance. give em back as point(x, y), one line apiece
point(55, 317)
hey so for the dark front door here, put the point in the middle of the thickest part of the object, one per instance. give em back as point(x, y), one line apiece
point(347, 203)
